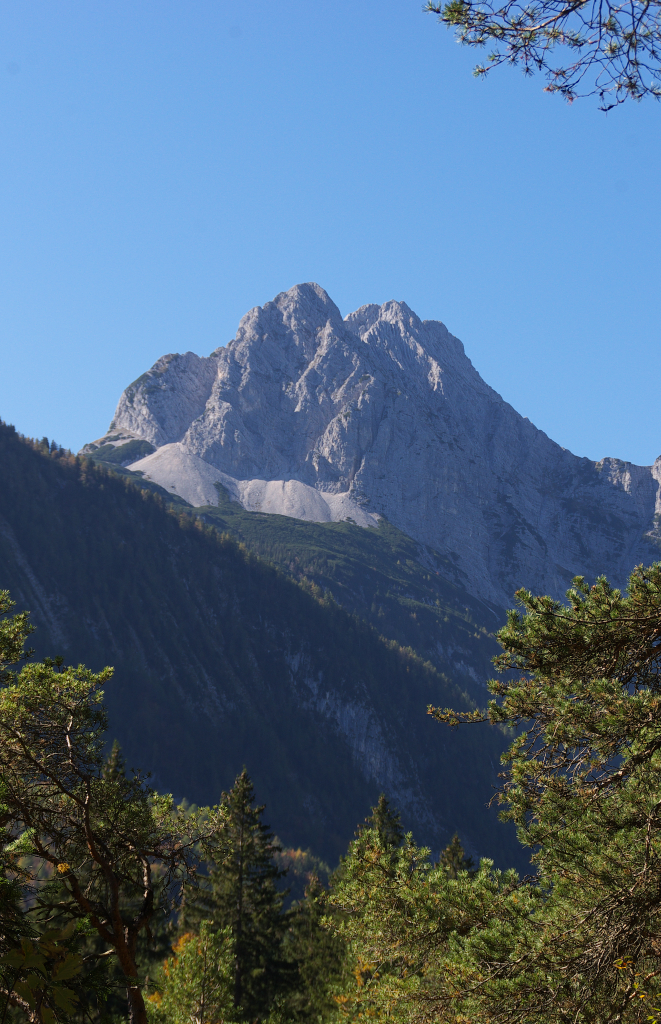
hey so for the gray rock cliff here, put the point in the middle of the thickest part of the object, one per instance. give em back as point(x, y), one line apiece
point(318, 417)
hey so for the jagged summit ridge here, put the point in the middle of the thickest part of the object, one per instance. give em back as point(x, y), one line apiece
point(311, 415)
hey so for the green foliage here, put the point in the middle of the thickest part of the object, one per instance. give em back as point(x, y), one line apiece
point(102, 852)
point(578, 941)
point(453, 860)
point(409, 926)
point(42, 970)
point(107, 850)
point(241, 895)
point(582, 693)
point(583, 781)
point(317, 953)
point(284, 965)
point(570, 43)
point(14, 631)
point(196, 984)
point(386, 824)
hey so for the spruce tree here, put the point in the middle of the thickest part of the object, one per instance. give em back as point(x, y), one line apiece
point(453, 859)
point(115, 767)
point(243, 896)
point(318, 952)
point(387, 824)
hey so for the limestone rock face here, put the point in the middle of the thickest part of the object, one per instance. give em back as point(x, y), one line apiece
point(382, 414)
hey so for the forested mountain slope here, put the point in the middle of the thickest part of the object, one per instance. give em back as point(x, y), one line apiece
point(383, 576)
point(221, 661)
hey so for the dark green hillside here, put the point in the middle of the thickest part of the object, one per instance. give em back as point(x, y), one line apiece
point(404, 591)
point(221, 661)
point(409, 593)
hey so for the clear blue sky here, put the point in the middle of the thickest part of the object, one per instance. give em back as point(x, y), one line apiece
point(167, 164)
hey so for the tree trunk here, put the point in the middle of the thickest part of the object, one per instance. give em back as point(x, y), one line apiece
point(137, 1010)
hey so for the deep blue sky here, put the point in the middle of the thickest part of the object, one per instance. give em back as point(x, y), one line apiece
point(167, 164)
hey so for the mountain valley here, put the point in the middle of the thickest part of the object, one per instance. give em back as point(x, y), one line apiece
point(222, 661)
point(291, 547)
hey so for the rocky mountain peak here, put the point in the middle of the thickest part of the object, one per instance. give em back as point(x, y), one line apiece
point(285, 335)
point(382, 414)
point(307, 306)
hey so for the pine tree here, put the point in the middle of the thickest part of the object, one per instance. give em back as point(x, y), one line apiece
point(242, 895)
point(582, 696)
point(107, 852)
point(196, 982)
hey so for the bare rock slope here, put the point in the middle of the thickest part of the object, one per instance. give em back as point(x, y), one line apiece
point(322, 418)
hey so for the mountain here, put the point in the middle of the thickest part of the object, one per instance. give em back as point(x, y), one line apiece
point(382, 416)
point(290, 547)
point(221, 660)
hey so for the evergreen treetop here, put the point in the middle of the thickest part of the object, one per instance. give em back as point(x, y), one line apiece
point(453, 859)
point(386, 823)
point(242, 895)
